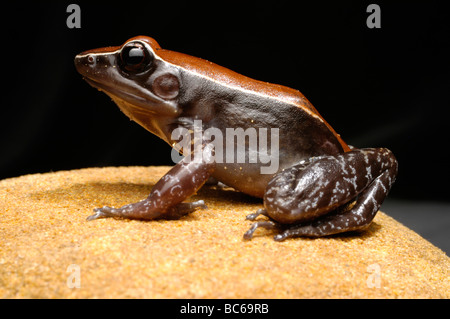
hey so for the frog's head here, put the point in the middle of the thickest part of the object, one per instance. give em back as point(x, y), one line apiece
point(134, 76)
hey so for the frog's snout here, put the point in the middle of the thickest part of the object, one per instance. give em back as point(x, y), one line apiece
point(95, 60)
point(84, 63)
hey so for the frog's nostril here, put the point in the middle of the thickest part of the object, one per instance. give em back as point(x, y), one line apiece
point(84, 63)
point(85, 59)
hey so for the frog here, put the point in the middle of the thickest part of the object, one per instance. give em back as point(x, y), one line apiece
point(318, 186)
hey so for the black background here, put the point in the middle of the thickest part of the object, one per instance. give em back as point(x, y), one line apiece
point(377, 87)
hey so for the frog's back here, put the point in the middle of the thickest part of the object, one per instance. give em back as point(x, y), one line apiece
point(226, 77)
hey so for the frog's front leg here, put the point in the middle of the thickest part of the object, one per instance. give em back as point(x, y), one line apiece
point(312, 199)
point(166, 198)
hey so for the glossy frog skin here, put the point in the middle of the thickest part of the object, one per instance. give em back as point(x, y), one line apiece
point(321, 186)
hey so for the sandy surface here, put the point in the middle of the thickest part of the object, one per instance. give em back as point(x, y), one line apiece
point(47, 248)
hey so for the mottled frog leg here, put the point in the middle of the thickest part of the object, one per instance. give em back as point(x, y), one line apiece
point(308, 200)
point(165, 199)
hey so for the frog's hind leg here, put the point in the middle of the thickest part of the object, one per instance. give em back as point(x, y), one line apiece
point(308, 200)
point(356, 218)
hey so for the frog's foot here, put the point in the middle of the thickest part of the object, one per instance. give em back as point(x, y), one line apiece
point(143, 210)
point(341, 220)
point(267, 224)
point(103, 212)
point(182, 209)
point(255, 215)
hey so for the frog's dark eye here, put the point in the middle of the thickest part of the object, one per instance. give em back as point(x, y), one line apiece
point(135, 57)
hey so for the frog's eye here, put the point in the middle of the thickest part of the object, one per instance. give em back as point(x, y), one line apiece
point(135, 57)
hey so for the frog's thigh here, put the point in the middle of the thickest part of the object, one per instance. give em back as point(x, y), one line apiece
point(309, 196)
point(306, 191)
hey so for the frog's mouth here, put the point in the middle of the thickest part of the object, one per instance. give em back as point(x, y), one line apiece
point(143, 105)
point(139, 104)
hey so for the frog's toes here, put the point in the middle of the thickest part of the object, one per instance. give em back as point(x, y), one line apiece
point(255, 215)
point(200, 204)
point(182, 209)
point(296, 231)
point(103, 212)
point(283, 235)
point(264, 224)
